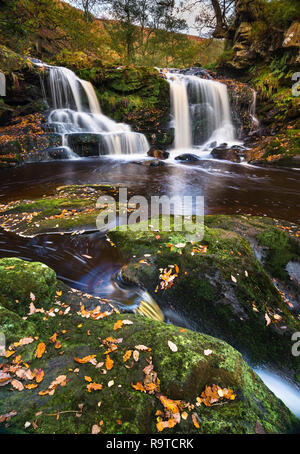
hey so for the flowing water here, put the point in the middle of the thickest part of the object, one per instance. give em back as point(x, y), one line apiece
point(201, 112)
point(76, 110)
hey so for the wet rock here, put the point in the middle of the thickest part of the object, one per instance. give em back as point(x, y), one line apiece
point(147, 163)
point(86, 144)
point(70, 208)
point(187, 157)
point(58, 153)
point(24, 282)
point(233, 154)
point(227, 287)
point(122, 409)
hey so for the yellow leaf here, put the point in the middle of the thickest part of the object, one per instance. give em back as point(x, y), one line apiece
point(160, 426)
point(118, 324)
point(127, 355)
point(109, 363)
point(84, 360)
point(40, 350)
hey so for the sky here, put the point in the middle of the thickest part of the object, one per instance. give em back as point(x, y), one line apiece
point(188, 16)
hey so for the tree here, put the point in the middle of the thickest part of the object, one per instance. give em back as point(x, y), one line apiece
point(87, 6)
point(138, 20)
point(213, 15)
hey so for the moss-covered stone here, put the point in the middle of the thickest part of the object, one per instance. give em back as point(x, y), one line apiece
point(70, 208)
point(23, 282)
point(183, 376)
point(138, 96)
point(225, 291)
point(14, 327)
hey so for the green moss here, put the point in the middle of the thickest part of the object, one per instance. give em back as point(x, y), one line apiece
point(281, 249)
point(183, 375)
point(14, 327)
point(138, 96)
point(218, 290)
point(70, 208)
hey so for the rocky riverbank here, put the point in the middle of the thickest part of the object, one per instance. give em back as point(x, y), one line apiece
point(70, 369)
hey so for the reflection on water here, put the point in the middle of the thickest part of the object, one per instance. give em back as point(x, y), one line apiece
point(228, 188)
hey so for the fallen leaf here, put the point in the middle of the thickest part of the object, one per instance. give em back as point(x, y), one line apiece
point(172, 346)
point(40, 350)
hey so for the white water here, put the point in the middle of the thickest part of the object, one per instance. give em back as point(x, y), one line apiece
point(201, 111)
point(253, 109)
point(77, 110)
point(180, 110)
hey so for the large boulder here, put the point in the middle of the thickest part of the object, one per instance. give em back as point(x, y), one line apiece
point(119, 375)
point(24, 282)
point(220, 287)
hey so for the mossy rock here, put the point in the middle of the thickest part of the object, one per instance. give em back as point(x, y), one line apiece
point(70, 208)
point(183, 376)
point(225, 292)
point(14, 327)
point(138, 96)
point(23, 282)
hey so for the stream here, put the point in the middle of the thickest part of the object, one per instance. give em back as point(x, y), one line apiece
point(88, 262)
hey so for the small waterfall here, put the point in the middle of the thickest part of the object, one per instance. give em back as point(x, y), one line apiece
point(76, 110)
point(201, 111)
point(180, 110)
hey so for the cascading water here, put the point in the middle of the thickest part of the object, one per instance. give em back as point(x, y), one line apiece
point(77, 111)
point(201, 111)
point(180, 110)
point(253, 109)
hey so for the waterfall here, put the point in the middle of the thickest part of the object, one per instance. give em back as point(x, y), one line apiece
point(76, 110)
point(253, 109)
point(180, 110)
point(201, 111)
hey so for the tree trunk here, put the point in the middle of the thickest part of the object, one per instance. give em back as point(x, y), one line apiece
point(220, 27)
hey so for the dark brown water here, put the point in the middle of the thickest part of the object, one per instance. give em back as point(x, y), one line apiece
point(228, 188)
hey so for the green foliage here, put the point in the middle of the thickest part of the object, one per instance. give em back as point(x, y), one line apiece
point(280, 13)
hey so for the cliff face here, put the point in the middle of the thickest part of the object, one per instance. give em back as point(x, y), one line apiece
point(259, 33)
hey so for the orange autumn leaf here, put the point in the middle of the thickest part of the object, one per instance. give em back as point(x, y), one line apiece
point(118, 324)
point(84, 360)
point(39, 376)
point(88, 379)
point(109, 363)
point(57, 345)
point(160, 426)
point(196, 420)
point(94, 387)
point(52, 339)
point(127, 355)
point(170, 404)
point(171, 423)
point(40, 350)
point(138, 387)
point(31, 386)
